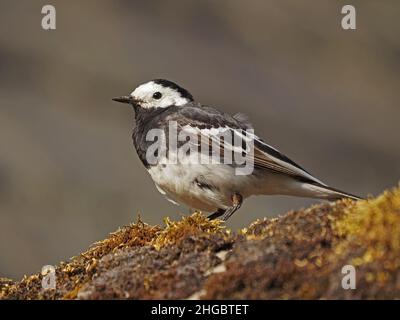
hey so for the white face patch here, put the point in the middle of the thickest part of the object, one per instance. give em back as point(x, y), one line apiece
point(144, 93)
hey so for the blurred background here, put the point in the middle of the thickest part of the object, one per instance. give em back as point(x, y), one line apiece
point(69, 175)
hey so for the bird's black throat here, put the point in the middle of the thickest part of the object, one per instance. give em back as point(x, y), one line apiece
point(145, 120)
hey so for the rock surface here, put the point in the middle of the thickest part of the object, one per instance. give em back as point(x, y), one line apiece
point(299, 255)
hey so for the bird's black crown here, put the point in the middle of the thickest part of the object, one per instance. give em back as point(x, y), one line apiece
point(169, 84)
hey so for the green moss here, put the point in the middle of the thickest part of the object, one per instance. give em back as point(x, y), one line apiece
point(296, 256)
point(301, 255)
point(192, 225)
point(374, 226)
point(80, 269)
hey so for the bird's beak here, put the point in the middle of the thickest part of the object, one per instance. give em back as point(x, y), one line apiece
point(124, 99)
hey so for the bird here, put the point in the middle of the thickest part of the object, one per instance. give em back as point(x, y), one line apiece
point(214, 188)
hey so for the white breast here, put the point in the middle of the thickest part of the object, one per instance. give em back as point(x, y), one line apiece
point(178, 183)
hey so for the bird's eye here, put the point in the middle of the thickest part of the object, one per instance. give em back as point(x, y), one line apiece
point(157, 95)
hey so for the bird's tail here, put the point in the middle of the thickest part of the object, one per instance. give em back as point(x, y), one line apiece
point(324, 192)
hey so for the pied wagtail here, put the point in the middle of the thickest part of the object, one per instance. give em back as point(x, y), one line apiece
point(212, 187)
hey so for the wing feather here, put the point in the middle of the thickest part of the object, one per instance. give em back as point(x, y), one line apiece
point(205, 122)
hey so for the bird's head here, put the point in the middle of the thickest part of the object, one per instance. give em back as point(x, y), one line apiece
point(157, 93)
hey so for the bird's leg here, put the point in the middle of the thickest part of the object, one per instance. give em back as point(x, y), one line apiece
point(216, 214)
point(237, 201)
